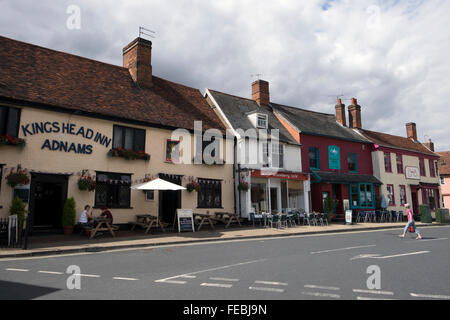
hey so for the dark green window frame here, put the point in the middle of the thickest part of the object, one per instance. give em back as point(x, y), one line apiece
point(355, 192)
point(317, 158)
point(355, 161)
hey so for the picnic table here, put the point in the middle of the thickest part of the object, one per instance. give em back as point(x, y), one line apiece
point(204, 218)
point(227, 218)
point(103, 224)
point(147, 221)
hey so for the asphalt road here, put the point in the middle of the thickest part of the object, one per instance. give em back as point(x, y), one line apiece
point(327, 266)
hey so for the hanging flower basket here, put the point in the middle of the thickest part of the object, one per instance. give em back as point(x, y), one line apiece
point(8, 140)
point(243, 186)
point(128, 154)
point(86, 183)
point(17, 178)
point(193, 185)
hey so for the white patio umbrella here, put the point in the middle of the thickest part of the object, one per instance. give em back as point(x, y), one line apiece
point(158, 184)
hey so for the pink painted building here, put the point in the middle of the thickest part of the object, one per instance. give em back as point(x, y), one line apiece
point(444, 173)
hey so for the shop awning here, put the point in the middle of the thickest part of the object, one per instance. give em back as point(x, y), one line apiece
point(337, 177)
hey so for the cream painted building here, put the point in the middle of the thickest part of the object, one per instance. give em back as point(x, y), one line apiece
point(75, 113)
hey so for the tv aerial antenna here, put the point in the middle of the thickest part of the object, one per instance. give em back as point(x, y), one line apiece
point(257, 75)
point(146, 32)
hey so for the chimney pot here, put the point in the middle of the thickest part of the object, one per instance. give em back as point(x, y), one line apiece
point(340, 113)
point(354, 115)
point(137, 58)
point(260, 92)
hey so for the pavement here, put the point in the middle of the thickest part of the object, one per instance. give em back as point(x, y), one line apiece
point(60, 244)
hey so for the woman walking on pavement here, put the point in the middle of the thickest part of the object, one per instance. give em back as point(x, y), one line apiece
point(410, 223)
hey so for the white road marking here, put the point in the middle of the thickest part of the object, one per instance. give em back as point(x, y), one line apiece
point(224, 279)
point(217, 268)
point(367, 298)
point(221, 285)
point(399, 255)
point(424, 240)
point(188, 277)
point(342, 249)
point(50, 272)
point(319, 294)
point(173, 281)
point(271, 282)
point(87, 275)
point(266, 289)
point(368, 255)
point(390, 293)
point(20, 270)
point(320, 287)
point(433, 296)
point(121, 278)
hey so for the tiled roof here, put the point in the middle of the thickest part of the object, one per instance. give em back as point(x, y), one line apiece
point(40, 75)
point(237, 110)
point(444, 162)
point(397, 142)
point(317, 123)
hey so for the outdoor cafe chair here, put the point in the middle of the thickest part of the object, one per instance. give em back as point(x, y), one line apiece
point(400, 216)
point(291, 218)
point(284, 219)
point(256, 217)
point(324, 218)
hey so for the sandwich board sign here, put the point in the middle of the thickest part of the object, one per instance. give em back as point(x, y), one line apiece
point(185, 220)
point(348, 216)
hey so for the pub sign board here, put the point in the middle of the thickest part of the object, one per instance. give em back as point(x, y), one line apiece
point(185, 220)
point(412, 173)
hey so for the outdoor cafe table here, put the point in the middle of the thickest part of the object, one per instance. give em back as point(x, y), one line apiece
point(103, 224)
point(204, 218)
point(227, 218)
point(147, 221)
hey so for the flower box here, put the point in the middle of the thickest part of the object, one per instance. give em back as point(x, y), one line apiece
point(8, 140)
point(243, 186)
point(128, 154)
point(193, 185)
point(86, 183)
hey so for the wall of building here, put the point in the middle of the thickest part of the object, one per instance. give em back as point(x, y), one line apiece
point(397, 179)
point(38, 158)
point(445, 190)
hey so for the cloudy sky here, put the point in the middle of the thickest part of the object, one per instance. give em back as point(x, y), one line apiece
point(391, 55)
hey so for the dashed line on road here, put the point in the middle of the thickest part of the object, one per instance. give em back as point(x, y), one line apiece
point(390, 293)
point(266, 289)
point(87, 275)
point(367, 298)
point(223, 279)
point(271, 283)
point(398, 255)
point(320, 294)
point(433, 296)
point(172, 281)
point(19, 270)
point(220, 285)
point(122, 278)
point(50, 272)
point(342, 249)
point(311, 286)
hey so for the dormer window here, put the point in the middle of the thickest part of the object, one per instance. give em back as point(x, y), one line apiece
point(261, 121)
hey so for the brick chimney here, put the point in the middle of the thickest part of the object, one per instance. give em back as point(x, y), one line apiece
point(411, 131)
point(429, 145)
point(354, 115)
point(340, 113)
point(137, 58)
point(260, 92)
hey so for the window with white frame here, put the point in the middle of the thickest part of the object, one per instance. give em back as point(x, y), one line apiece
point(261, 121)
point(277, 155)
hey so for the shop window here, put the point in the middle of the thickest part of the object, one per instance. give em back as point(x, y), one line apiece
point(352, 162)
point(112, 190)
point(210, 194)
point(387, 162)
point(259, 197)
point(422, 167)
point(432, 171)
point(128, 138)
point(431, 198)
point(172, 151)
point(9, 121)
point(402, 195)
point(391, 196)
point(361, 195)
point(399, 163)
point(314, 162)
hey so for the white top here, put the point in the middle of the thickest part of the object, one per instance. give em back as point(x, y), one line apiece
point(83, 217)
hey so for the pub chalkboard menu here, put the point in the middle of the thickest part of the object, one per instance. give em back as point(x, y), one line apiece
point(185, 220)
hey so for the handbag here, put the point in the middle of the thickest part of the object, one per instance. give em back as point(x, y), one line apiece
point(412, 228)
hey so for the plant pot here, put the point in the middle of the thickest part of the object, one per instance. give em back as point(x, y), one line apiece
point(68, 230)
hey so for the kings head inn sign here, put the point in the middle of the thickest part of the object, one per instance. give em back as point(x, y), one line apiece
point(35, 128)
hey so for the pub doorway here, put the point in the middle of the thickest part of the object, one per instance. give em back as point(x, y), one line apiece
point(48, 193)
point(169, 201)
